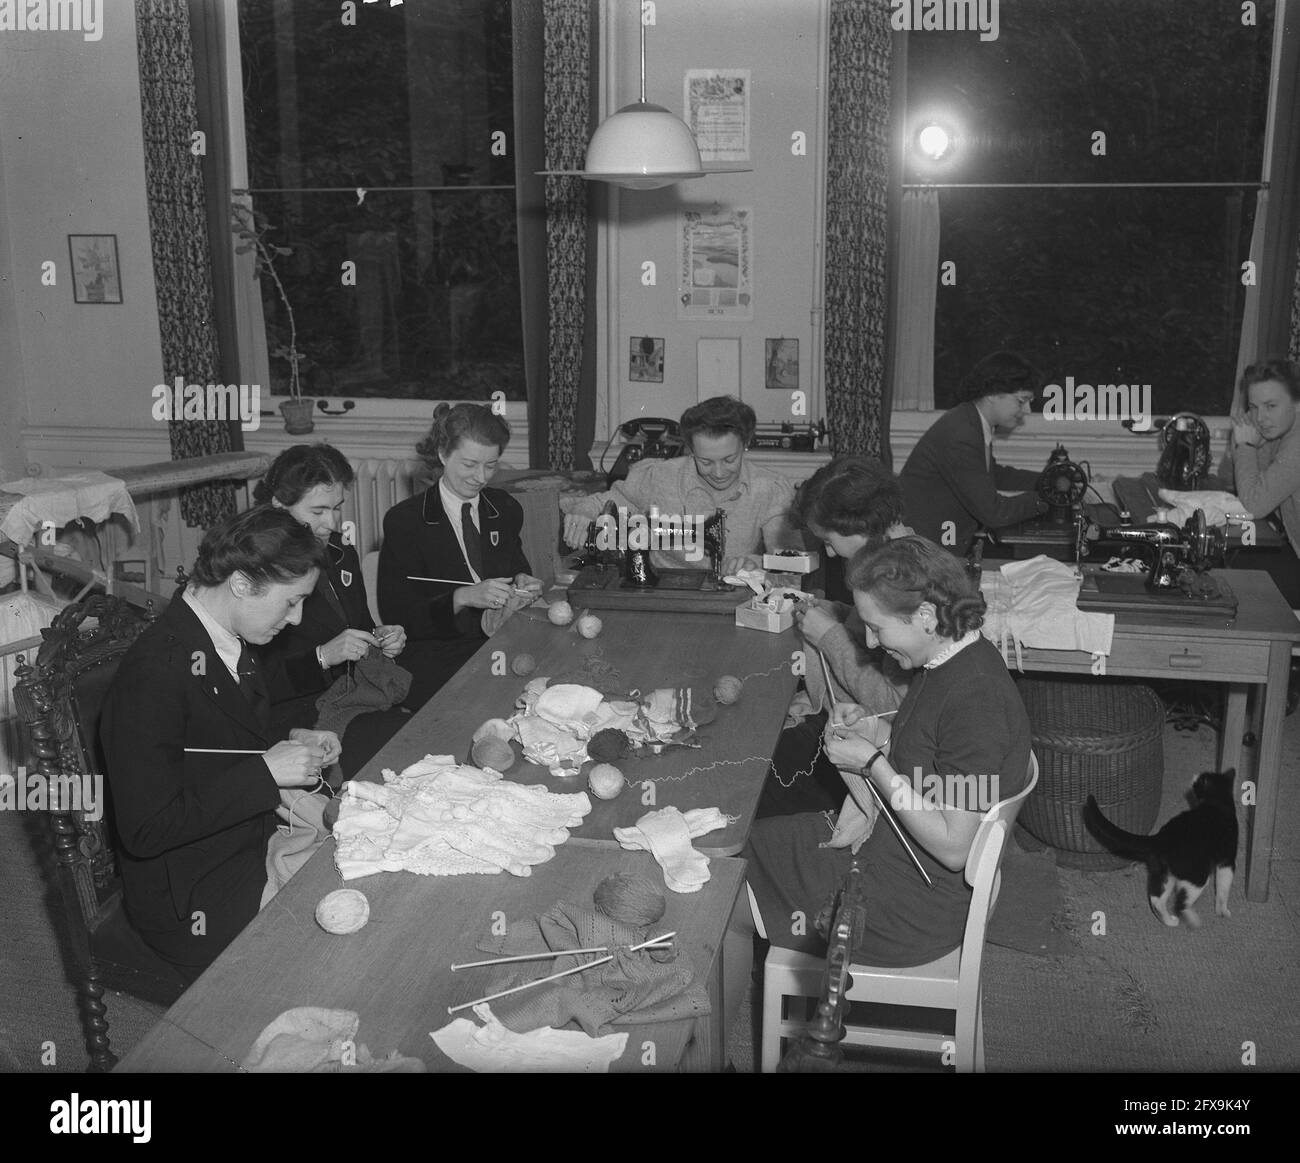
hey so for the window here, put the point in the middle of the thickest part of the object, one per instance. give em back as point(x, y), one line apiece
point(1104, 284)
point(411, 291)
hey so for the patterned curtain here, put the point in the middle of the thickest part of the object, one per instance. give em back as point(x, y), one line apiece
point(567, 73)
point(1294, 347)
point(857, 186)
point(182, 261)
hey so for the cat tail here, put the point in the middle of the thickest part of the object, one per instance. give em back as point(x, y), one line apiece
point(1114, 838)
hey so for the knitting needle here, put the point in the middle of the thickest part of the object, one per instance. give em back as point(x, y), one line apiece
point(463, 582)
point(555, 976)
point(830, 689)
point(661, 943)
point(223, 751)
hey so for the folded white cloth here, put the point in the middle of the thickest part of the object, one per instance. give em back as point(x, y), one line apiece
point(1035, 603)
point(1215, 504)
point(92, 495)
point(493, 1049)
point(441, 818)
point(315, 1040)
point(667, 834)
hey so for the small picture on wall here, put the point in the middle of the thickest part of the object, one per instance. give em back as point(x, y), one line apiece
point(95, 277)
point(781, 363)
point(646, 361)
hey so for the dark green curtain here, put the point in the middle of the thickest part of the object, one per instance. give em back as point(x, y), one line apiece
point(857, 221)
point(182, 260)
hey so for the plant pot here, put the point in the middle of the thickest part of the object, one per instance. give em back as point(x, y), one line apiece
point(298, 416)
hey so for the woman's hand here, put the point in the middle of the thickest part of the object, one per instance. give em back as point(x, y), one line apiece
point(391, 639)
point(575, 530)
point(295, 764)
point(733, 565)
point(490, 594)
point(851, 719)
point(327, 741)
point(853, 826)
point(350, 646)
point(533, 585)
point(1244, 432)
point(815, 620)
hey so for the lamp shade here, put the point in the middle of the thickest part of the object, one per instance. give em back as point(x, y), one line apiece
point(643, 147)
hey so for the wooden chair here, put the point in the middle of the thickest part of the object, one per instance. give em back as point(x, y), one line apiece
point(953, 982)
point(59, 698)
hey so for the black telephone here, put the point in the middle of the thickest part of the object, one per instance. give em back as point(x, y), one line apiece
point(646, 436)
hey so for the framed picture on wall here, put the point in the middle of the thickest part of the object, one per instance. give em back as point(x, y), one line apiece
point(646, 360)
point(781, 361)
point(95, 274)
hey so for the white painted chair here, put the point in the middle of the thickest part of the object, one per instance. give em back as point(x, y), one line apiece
point(950, 983)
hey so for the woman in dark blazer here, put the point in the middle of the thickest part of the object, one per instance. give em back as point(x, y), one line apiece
point(194, 816)
point(951, 481)
point(304, 660)
point(456, 529)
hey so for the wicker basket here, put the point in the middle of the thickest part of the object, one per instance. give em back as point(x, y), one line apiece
point(1092, 737)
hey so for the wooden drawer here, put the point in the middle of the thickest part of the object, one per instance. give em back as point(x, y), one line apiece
point(1161, 656)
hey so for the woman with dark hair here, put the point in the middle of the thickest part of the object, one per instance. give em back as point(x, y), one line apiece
point(458, 528)
point(850, 504)
point(336, 629)
point(1266, 460)
point(959, 744)
point(192, 762)
point(689, 489)
point(951, 480)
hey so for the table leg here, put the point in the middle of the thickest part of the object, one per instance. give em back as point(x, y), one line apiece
point(1268, 773)
point(1234, 727)
point(705, 1052)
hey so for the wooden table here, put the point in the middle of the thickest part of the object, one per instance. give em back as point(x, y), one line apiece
point(649, 651)
point(394, 973)
point(1252, 650)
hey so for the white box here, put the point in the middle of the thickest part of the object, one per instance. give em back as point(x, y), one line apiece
point(754, 617)
point(805, 561)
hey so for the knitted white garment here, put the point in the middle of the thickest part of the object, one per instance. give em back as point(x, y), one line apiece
point(440, 818)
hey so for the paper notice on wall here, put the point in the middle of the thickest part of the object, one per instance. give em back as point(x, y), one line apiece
point(717, 110)
point(715, 275)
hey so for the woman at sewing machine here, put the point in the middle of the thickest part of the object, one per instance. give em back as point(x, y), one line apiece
point(194, 767)
point(951, 481)
point(452, 565)
point(304, 660)
point(852, 504)
point(689, 489)
point(1266, 460)
point(962, 717)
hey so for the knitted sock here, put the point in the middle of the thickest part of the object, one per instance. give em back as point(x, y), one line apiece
point(666, 835)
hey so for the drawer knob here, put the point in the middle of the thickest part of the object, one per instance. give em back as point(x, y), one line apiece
point(1186, 661)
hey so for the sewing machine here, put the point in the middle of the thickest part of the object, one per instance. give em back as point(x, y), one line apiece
point(1176, 563)
point(613, 575)
point(1061, 486)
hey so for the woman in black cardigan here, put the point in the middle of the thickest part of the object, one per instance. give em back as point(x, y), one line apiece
point(192, 814)
point(305, 660)
point(461, 533)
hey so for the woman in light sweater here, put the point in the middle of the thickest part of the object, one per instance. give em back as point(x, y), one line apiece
point(1266, 459)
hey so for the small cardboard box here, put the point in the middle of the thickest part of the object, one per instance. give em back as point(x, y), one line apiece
point(803, 562)
point(754, 617)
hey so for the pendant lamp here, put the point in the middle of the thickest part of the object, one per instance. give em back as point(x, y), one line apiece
point(644, 147)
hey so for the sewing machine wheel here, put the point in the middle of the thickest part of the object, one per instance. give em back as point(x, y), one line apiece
point(1184, 452)
point(1062, 484)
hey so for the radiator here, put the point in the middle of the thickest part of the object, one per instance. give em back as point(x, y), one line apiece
point(379, 485)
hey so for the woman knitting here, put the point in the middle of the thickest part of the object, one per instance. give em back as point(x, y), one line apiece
point(960, 743)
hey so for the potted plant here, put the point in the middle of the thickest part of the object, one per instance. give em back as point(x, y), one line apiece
point(251, 228)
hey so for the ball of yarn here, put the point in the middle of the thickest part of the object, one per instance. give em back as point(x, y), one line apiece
point(589, 625)
point(560, 613)
point(727, 689)
point(494, 753)
point(494, 729)
point(634, 900)
point(343, 911)
point(523, 665)
point(608, 745)
point(605, 781)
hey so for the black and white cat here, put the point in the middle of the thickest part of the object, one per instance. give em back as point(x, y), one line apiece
point(1180, 858)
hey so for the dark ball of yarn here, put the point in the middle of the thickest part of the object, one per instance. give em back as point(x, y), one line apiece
point(702, 708)
point(633, 900)
point(608, 745)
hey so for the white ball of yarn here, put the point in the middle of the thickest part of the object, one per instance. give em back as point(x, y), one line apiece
point(560, 613)
point(589, 625)
point(343, 911)
point(605, 781)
